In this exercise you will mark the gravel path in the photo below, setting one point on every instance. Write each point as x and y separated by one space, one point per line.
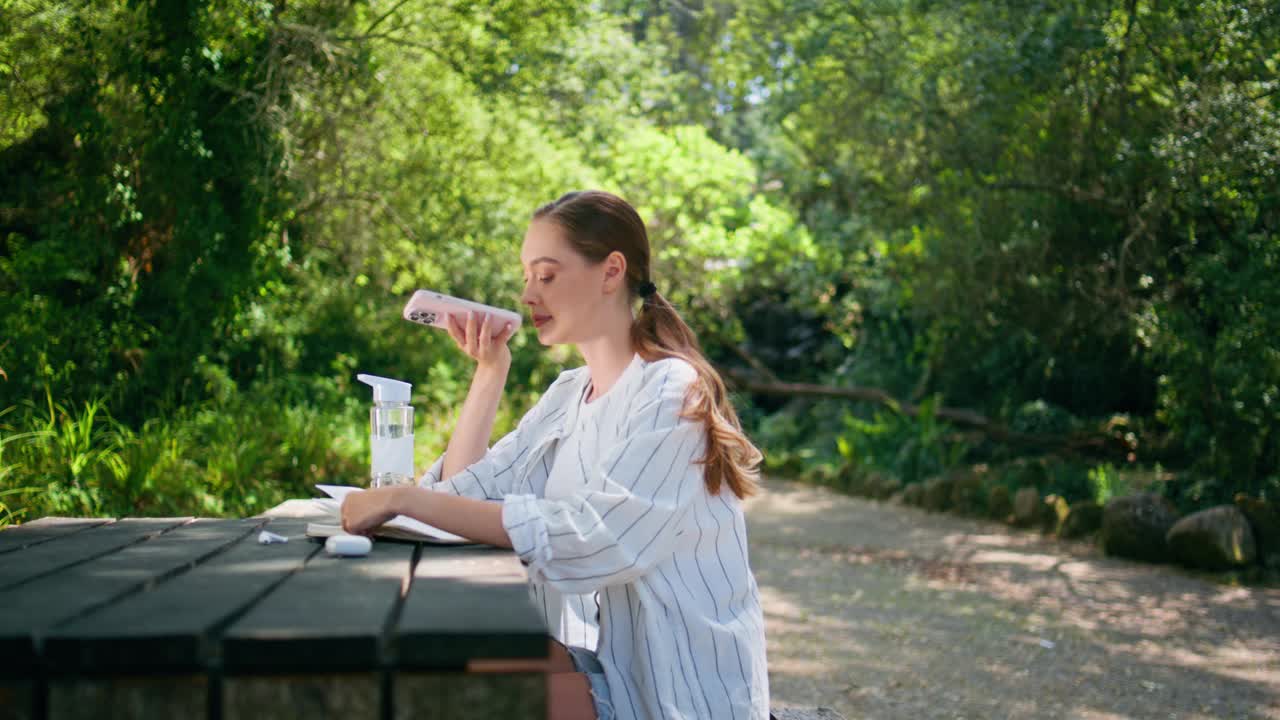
883 611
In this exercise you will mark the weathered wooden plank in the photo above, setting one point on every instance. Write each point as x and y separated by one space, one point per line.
46 558
467 603
469 696
35 607
353 695
331 616
141 697
172 627
18 537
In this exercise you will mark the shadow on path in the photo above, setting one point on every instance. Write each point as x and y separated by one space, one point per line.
885 611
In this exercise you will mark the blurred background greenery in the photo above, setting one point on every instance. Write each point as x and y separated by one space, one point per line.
1061 218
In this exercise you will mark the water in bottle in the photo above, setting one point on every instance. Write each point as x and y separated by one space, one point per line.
390 432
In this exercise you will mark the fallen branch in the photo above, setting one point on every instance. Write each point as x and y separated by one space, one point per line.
1095 443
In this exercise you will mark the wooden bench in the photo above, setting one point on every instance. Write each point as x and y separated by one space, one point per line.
192 618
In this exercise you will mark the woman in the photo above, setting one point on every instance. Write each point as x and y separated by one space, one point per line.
620 490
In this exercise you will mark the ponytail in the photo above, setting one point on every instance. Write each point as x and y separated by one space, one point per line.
659 332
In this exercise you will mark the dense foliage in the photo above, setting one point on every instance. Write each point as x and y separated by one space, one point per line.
1062 215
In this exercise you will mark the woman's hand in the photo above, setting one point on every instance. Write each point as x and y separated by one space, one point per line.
481 344
363 511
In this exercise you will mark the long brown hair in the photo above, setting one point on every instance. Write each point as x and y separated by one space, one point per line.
598 223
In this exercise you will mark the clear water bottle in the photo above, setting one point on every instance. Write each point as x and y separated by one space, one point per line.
390 432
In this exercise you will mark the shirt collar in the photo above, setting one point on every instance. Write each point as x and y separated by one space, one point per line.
624 385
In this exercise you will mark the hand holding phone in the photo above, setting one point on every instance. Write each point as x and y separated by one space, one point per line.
467 322
434 309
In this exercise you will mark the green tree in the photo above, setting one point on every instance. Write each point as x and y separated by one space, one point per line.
1064 195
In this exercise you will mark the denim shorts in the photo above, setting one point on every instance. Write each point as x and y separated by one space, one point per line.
586 662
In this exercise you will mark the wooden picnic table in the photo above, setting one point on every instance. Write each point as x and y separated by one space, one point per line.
193 618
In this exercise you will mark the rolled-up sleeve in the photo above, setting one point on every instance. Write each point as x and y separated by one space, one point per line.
629 509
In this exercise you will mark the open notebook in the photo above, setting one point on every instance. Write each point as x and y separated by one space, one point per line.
399 527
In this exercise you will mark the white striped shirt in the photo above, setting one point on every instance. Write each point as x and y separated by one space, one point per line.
628 553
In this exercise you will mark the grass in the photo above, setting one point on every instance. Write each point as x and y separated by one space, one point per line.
233 456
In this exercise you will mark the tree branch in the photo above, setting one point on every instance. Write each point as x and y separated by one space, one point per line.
384 16
1087 443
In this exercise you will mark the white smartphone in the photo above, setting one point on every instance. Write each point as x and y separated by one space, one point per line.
433 309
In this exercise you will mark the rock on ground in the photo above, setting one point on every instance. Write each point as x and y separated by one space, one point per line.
1264 518
884 611
1134 526
1026 506
1216 538
1083 518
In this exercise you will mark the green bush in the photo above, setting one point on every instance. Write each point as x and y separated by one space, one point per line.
195 461
1040 417
1220 347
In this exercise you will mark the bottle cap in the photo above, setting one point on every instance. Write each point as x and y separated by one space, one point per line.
386 389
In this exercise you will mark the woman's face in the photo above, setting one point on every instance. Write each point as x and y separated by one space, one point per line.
565 293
